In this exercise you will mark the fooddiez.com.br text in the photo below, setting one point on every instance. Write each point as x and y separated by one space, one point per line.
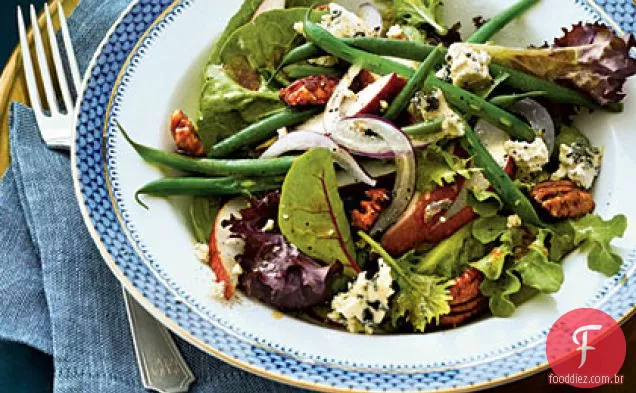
570 379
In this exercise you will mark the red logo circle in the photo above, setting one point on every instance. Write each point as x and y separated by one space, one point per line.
585 348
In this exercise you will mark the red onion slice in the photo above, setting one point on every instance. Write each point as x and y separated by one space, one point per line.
304 140
360 143
539 118
405 163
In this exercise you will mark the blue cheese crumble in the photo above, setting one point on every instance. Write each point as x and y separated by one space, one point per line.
364 305
478 183
343 23
395 32
579 163
529 157
202 252
466 66
434 105
513 221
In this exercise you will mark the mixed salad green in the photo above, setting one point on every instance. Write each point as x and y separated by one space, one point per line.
358 164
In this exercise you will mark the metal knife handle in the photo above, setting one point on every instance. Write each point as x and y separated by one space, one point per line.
161 365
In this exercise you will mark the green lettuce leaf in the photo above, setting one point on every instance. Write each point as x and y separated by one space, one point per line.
437 167
311 214
253 52
473 250
203 213
485 203
499 293
569 135
242 16
419 12
594 236
450 257
413 34
536 270
514 263
518 238
226 107
492 264
561 241
489 229
421 299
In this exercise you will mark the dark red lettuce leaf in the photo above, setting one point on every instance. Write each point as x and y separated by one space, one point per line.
276 272
608 58
589 58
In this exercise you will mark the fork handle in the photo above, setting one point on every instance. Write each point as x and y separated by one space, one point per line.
63 142
161 365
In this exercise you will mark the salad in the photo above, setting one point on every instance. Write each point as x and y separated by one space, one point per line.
361 165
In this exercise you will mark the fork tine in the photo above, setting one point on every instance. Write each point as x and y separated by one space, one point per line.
57 59
70 52
29 73
45 74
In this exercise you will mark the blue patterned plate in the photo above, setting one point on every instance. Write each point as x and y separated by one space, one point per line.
151 63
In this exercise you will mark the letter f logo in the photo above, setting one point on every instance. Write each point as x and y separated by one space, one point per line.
583 346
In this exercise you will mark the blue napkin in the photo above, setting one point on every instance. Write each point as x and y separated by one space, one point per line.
56 294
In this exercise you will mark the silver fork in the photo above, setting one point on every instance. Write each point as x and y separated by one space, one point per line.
161 366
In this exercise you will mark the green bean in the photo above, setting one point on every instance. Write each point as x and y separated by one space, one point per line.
494 25
506 101
197 186
424 128
416 51
505 188
414 84
299 71
395 48
211 167
525 82
341 50
475 105
301 53
281 81
260 131
379 46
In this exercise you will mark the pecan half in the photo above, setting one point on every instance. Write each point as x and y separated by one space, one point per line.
467 302
563 199
455 319
370 209
466 286
185 135
312 90
467 306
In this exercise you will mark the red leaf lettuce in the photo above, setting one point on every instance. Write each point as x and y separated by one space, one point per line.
276 272
589 58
